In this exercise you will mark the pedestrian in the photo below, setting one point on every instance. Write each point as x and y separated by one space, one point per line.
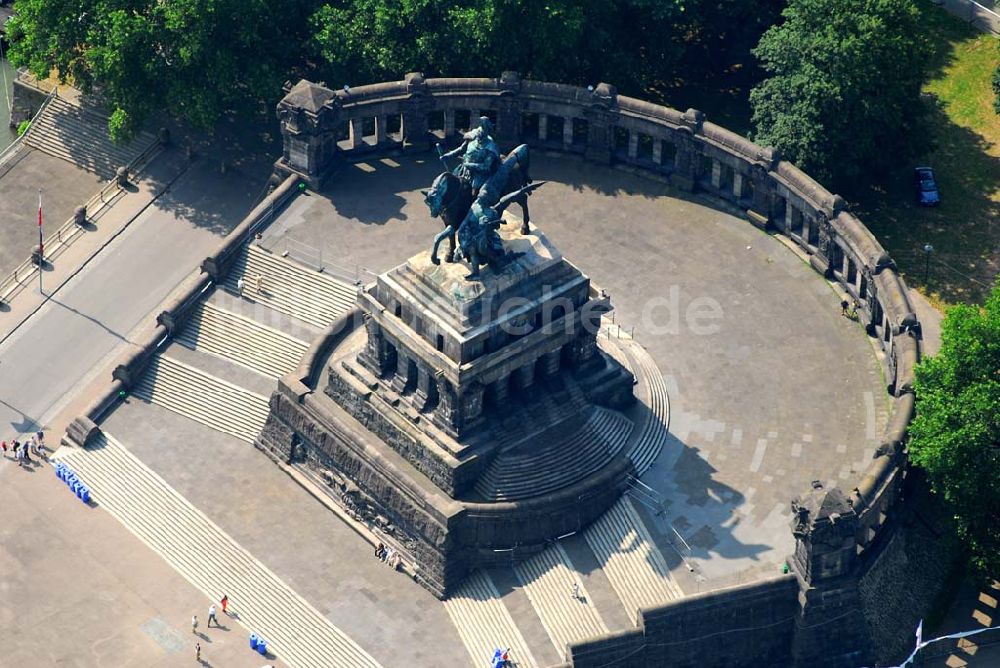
379 551
576 591
3 444
197 651
41 451
224 602
259 283
239 285
34 444
390 555
843 307
194 624
24 453
211 616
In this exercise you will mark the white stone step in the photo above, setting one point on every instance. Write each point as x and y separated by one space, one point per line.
483 622
653 433
242 340
548 579
633 564
210 559
80 136
290 288
203 398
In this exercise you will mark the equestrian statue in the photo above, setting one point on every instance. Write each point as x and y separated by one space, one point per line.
471 198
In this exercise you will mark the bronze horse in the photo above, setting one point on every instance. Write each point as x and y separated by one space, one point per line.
451 198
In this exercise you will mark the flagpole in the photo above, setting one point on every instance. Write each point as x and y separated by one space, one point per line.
41 246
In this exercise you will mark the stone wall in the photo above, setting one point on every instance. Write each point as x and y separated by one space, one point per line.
837 543
750 625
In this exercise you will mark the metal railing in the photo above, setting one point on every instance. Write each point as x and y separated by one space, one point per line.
313 257
57 242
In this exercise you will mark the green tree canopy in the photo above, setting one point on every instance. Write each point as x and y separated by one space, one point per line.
624 42
842 94
194 58
956 433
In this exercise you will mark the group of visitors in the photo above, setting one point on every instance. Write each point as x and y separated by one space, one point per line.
387 555
224 602
22 451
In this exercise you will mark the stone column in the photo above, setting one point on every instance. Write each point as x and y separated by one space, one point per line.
470 403
449 122
760 207
738 185
500 389
583 351
401 381
601 115
415 110
657 151
356 126
568 131
716 174
805 230
685 162
543 127
426 394
524 377
381 129
378 355
633 144
508 130
551 361
446 414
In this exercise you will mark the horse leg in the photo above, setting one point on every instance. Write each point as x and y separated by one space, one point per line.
446 232
450 257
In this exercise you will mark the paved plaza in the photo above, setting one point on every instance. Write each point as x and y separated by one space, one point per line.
776 392
783 390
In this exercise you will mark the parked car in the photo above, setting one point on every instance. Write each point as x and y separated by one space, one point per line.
927 188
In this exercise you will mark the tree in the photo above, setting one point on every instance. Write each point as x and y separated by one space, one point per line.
194 58
956 433
624 42
843 93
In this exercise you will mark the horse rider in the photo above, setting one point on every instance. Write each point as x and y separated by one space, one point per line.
480 155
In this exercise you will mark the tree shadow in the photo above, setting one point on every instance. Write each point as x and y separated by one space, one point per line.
962 229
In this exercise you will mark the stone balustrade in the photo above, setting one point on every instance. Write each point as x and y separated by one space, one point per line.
323 128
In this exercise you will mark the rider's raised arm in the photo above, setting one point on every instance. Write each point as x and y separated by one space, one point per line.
457 151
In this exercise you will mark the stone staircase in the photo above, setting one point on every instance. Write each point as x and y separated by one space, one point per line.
210 559
268 351
527 417
636 570
548 579
652 435
290 288
79 135
203 398
531 470
483 622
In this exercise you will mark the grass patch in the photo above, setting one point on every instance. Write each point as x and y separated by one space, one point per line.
964 134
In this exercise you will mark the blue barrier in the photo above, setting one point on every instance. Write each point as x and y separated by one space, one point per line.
76 485
253 641
262 646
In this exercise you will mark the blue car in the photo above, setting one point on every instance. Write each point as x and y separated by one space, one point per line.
927 188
